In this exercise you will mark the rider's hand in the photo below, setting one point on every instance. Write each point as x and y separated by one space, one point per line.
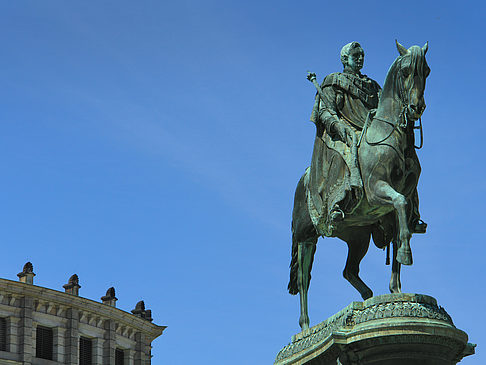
345 133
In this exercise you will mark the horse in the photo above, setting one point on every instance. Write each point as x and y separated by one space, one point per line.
389 180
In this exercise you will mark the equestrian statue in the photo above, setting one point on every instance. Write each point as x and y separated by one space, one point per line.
362 181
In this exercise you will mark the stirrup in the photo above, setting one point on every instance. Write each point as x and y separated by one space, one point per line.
337 215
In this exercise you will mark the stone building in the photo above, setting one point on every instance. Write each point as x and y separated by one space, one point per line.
42 326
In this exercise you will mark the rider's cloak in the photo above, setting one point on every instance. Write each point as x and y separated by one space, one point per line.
333 179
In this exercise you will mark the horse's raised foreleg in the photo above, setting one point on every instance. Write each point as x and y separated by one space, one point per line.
395 284
358 242
306 253
386 193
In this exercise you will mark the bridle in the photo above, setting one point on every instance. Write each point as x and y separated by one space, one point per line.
402 122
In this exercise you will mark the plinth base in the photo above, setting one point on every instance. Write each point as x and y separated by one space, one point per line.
392 329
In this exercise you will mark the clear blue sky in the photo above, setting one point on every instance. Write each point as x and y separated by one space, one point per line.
155 146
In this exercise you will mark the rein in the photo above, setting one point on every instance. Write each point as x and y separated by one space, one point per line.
402 121
394 125
406 107
371 118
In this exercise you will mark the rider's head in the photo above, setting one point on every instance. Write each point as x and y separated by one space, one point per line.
352 56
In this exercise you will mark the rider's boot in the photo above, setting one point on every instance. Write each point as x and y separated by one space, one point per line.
419 226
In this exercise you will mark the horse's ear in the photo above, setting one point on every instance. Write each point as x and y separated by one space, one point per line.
425 47
401 49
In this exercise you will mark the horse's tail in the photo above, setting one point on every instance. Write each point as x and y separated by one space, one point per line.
294 265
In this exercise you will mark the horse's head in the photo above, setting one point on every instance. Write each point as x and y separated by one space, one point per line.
411 72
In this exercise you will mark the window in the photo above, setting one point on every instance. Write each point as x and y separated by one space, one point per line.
85 351
119 357
3 334
43 343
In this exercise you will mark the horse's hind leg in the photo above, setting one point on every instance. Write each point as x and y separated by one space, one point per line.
395 284
358 242
304 240
306 253
386 194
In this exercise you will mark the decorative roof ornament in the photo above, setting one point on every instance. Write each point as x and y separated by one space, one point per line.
27 274
110 298
28 267
72 287
141 312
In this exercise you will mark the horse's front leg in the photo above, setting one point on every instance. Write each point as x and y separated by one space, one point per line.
385 193
395 284
305 257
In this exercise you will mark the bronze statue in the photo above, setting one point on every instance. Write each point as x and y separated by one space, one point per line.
363 177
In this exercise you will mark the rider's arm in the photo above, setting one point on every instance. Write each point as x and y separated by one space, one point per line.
328 113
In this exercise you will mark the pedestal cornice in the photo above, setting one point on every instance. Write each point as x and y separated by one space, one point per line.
383 328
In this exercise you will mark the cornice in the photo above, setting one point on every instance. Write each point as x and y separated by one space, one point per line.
60 299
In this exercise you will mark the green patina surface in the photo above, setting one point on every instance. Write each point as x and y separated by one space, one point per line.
362 181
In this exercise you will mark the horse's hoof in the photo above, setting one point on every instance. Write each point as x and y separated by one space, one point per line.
366 295
404 257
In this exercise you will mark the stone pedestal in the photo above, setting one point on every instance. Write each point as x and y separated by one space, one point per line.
392 329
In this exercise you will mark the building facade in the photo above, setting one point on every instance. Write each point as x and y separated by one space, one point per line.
41 326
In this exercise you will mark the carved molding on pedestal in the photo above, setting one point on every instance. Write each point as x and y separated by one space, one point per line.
393 320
